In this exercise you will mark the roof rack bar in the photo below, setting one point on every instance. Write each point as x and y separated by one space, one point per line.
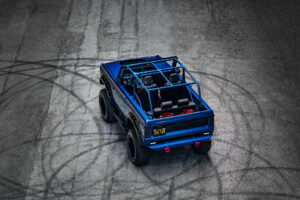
152 61
139 75
147 90
198 86
186 70
164 87
164 69
162 74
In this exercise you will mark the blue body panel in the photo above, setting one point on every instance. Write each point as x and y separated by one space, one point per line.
128 105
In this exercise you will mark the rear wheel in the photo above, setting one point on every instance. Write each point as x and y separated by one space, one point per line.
107 109
137 153
203 147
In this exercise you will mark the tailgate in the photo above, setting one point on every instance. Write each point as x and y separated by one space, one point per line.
180 130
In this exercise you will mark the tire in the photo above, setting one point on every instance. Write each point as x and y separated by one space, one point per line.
137 153
106 107
203 147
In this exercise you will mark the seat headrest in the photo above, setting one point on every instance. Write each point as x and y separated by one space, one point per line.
183 102
174 79
148 80
166 105
151 86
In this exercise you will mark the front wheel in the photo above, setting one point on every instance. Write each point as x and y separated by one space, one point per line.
137 153
203 147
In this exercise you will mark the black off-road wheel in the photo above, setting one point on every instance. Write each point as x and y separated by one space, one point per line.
137 153
106 107
203 147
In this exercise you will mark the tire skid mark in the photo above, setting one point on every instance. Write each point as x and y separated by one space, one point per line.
52 137
4 100
218 178
284 178
122 14
262 120
53 83
59 169
202 192
249 131
171 189
34 192
20 187
233 117
236 126
63 88
34 8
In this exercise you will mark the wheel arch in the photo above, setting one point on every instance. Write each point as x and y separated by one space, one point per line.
102 80
132 123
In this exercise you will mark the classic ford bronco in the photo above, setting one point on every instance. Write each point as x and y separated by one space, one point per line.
158 102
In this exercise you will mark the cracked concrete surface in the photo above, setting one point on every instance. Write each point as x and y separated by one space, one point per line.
55 145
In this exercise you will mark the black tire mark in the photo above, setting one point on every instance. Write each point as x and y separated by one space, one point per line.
271 168
261 115
34 8
171 189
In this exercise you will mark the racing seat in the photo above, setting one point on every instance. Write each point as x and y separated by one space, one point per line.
148 82
174 93
143 95
164 109
174 79
165 105
185 103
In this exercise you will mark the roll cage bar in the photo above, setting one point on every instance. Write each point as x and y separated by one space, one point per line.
158 70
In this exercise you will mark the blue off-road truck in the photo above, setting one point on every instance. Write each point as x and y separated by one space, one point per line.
158 102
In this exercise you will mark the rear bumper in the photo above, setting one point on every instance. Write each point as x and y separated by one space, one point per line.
179 142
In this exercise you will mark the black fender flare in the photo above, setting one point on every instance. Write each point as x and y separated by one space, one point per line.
132 123
103 80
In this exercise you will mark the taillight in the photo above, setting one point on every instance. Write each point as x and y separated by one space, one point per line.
168 114
189 110
146 132
212 121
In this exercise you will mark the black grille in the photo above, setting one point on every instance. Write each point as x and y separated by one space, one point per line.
187 125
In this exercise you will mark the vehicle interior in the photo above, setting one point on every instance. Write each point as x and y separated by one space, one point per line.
168 92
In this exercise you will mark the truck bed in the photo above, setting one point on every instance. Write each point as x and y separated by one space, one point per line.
183 129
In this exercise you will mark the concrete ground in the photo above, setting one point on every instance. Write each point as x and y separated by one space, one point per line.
55 145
